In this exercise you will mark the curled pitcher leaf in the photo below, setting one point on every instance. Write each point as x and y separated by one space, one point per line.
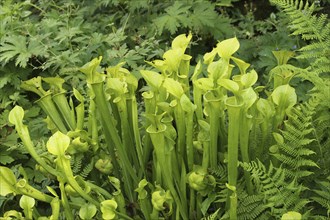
283 56
108 208
229 85
181 41
243 66
117 85
58 143
16 116
55 83
265 107
154 79
140 190
249 79
7 181
186 104
249 97
34 85
173 58
227 48
161 199
104 165
173 87
91 71
204 84
284 96
209 57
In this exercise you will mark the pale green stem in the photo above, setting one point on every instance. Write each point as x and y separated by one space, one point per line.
56 206
158 140
244 145
24 134
189 139
48 106
113 138
64 163
181 130
234 110
137 136
197 93
65 202
63 106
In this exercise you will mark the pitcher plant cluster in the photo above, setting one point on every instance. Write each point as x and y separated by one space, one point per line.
155 146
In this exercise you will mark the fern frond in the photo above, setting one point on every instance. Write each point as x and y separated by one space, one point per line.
87 169
76 163
250 206
213 216
315 29
279 195
294 152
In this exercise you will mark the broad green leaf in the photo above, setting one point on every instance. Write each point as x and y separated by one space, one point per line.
249 79
229 85
7 181
181 41
58 144
153 78
291 215
227 47
186 104
108 208
87 211
140 190
284 96
173 87
16 116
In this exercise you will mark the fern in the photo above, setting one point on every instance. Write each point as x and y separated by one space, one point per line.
311 28
80 166
250 206
87 169
76 163
293 143
213 216
279 196
322 196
